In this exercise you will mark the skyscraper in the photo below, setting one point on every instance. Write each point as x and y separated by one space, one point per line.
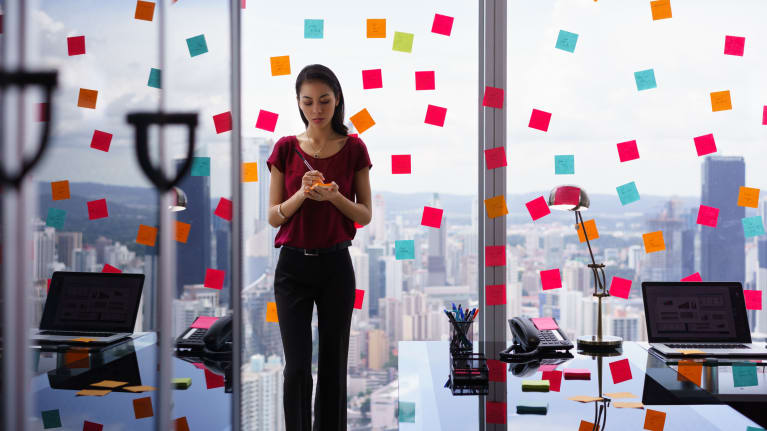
377 277
437 270
194 257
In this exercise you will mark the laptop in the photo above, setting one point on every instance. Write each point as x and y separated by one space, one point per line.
701 318
90 307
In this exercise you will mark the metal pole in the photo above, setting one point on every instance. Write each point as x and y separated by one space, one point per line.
481 192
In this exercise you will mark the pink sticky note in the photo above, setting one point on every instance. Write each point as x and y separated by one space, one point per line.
493 97
442 24
539 120
577 374
203 322
628 151
266 120
495 158
620 287
538 208
495 294
753 299
110 269
693 277
435 115
620 370
400 164
424 80
544 323
554 378
101 140
705 144
224 209
764 116
371 78
223 122
97 209
213 380
548 367
495 412
495 255
358 297
76 45
733 45
214 278
708 216
496 370
431 217
48 287
551 279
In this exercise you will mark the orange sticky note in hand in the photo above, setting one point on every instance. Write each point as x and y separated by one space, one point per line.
271 312
591 230
60 190
87 98
653 242
661 9
147 235
362 120
376 28
654 420
280 65
748 197
720 101
182 231
496 206
250 172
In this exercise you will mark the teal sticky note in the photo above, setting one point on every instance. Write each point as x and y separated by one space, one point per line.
51 419
197 45
532 407
645 79
628 193
154 78
200 166
744 374
566 41
564 164
55 218
404 249
403 42
407 411
314 28
750 428
752 226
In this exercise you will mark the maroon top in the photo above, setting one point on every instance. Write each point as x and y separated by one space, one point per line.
318 224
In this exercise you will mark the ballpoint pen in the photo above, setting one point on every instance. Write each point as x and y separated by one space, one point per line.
303 158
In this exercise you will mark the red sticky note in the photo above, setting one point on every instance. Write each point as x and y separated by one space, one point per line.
223 122
358 297
203 322
554 378
538 208
708 216
495 412
544 323
442 24
493 97
496 370
424 80
97 209
551 279
42 111
764 116
620 370
48 288
577 374
213 380
435 115
495 255
431 217
705 144
214 278
266 120
495 294
495 158
693 277
76 45
101 140
92 426
110 269
753 299
733 45
620 287
539 120
400 164
224 209
371 78
628 151
357 225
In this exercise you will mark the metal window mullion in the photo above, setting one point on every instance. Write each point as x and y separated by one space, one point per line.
480 192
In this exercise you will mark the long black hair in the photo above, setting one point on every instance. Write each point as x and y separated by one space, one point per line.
318 72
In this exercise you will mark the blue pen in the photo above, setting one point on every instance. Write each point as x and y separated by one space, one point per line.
460 311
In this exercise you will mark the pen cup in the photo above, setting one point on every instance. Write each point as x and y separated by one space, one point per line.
461 337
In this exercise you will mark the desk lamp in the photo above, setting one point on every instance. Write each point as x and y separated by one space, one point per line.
179 200
574 198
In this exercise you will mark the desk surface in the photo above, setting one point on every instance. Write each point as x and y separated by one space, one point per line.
424 369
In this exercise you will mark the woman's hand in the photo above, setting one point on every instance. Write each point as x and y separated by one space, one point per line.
322 193
312 177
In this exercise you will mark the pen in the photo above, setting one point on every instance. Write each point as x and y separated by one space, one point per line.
303 158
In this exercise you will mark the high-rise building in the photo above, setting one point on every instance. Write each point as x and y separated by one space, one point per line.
266 335
44 239
378 349
376 277
435 264
360 262
262 394
378 222
393 268
666 265
223 252
66 243
194 257
84 259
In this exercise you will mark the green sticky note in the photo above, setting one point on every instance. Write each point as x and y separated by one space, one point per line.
55 218
200 166
407 411
404 249
744 374
154 78
314 28
403 42
182 382
752 226
197 45
532 407
51 419
535 385
564 164
628 193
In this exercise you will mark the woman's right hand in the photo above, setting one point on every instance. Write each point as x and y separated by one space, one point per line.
312 177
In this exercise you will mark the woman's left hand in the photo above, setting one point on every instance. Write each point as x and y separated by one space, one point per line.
324 193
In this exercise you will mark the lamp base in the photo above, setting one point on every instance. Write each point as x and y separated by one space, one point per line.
590 343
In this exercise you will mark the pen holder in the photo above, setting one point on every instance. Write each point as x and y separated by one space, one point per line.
461 337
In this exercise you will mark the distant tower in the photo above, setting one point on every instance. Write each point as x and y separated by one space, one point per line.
194 257
437 271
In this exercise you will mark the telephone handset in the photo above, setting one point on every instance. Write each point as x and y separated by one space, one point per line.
215 340
530 342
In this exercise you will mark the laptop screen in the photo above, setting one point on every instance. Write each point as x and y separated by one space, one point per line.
95 301
695 312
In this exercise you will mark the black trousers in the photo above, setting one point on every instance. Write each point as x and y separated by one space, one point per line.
300 282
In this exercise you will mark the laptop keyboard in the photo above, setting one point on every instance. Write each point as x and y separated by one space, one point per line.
706 346
72 334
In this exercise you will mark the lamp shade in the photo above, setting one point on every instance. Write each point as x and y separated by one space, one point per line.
568 198
179 200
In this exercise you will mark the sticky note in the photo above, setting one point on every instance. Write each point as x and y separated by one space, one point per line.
155 78
744 374
566 41
407 411
55 218
493 97
495 255
748 197
314 28
661 9
144 10
591 230
214 278
142 408
280 65
435 115
400 164
535 386
372 78
181 424
539 120
544 323
548 367
707 216
271 312
691 351
266 120
376 28
362 121
97 209
583 398
147 235
577 374
764 116
203 322
182 231
110 269
693 277
404 249
495 412
101 140
92 426
48 286
753 299
705 144
628 151
83 339
564 164
527 407
496 206
224 209
403 42
620 395
620 371
689 370
109 384
431 217
620 287
51 419
197 45
733 45
653 242
628 405
654 420
551 279
496 370
628 193
200 167
554 378
720 101
752 226
495 294
77 359
645 79
60 190
223 122
182 382
538 208
424 80
250 172
586 426
76 45
213 380
87 98
495 157
442 24
359 296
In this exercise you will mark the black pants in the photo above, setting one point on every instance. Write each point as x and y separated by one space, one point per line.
299 282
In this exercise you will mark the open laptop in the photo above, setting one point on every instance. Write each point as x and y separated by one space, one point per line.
91 306
708 318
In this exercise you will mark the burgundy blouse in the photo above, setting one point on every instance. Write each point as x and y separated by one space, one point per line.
318 224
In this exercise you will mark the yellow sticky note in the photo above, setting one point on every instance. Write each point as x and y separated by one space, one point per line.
654 420
720 101
109 384
591 230
748 197
496 206
271 312
690 370
147 235
93 392
182 231
250 172
362 120
621 395
87 98
60 190
141 388
83 339
661 9
584 398
280 65
628 405
376 28
653 242
691 352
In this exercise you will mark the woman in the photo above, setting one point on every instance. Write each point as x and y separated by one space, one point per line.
315 209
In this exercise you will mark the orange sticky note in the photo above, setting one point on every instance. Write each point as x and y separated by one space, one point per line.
496 206
250 172
586 426
77 359
144 10
691 370
376 28
182 231
362 120
720 101
653 242
87 98
147 235
181 423
661 9
271 312
142 407
748 197
280 65
109 384
654 420
93 392
60 190
591 230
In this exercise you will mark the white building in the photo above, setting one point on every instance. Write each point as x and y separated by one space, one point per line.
262 394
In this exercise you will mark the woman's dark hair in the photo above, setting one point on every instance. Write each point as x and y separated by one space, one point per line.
318 72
